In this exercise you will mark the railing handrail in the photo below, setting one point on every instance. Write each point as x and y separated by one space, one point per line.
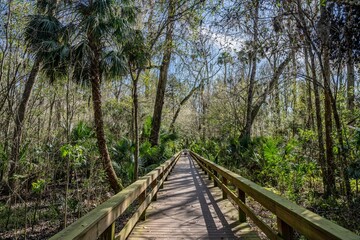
290 215
102 218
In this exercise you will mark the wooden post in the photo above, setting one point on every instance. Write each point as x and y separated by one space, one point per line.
171 168
161 177
241 196
153 185
215 182
109 233
204 168
142 198
285 231
224 181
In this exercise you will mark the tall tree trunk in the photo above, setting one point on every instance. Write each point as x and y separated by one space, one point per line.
342 151
310 119
277 120
319 124
160 93
19 122
183 101
225 72
294 90
99 123
349 62
274 80
53 100
135 80
7 41
324 31
246 133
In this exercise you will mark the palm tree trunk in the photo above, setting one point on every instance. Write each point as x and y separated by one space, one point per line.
19 122
99 126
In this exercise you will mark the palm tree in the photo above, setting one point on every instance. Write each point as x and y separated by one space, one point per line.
102 28
91 46
225 58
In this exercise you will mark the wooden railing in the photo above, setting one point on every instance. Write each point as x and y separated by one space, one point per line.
100 222
289 216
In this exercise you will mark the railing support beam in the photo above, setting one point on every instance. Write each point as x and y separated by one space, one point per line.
216 175
241 196
285 231
225 182
142 198
109 233
153 185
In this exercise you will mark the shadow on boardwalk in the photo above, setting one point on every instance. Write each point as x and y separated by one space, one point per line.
187 209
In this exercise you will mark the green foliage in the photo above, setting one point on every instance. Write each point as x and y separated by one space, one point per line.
73 204
75 153
136 50
122 160
356 140
150 156
122 154
3 158
272 162
208 148
147 127
38 186
106 26
354 170
82 132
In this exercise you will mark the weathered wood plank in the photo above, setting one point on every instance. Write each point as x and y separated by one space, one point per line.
187 209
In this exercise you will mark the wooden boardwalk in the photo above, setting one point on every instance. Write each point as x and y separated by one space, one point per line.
190 207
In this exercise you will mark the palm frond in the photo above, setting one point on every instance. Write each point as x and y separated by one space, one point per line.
80 60
128 12
136 50
56 63
41 32
114 64
46 6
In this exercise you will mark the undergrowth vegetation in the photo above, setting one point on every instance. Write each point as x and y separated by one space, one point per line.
76 182
288 167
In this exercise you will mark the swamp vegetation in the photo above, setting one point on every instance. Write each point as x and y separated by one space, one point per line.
95 93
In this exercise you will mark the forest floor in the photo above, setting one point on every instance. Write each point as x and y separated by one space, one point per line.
33 216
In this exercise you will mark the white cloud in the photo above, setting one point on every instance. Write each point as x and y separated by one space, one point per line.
221 40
